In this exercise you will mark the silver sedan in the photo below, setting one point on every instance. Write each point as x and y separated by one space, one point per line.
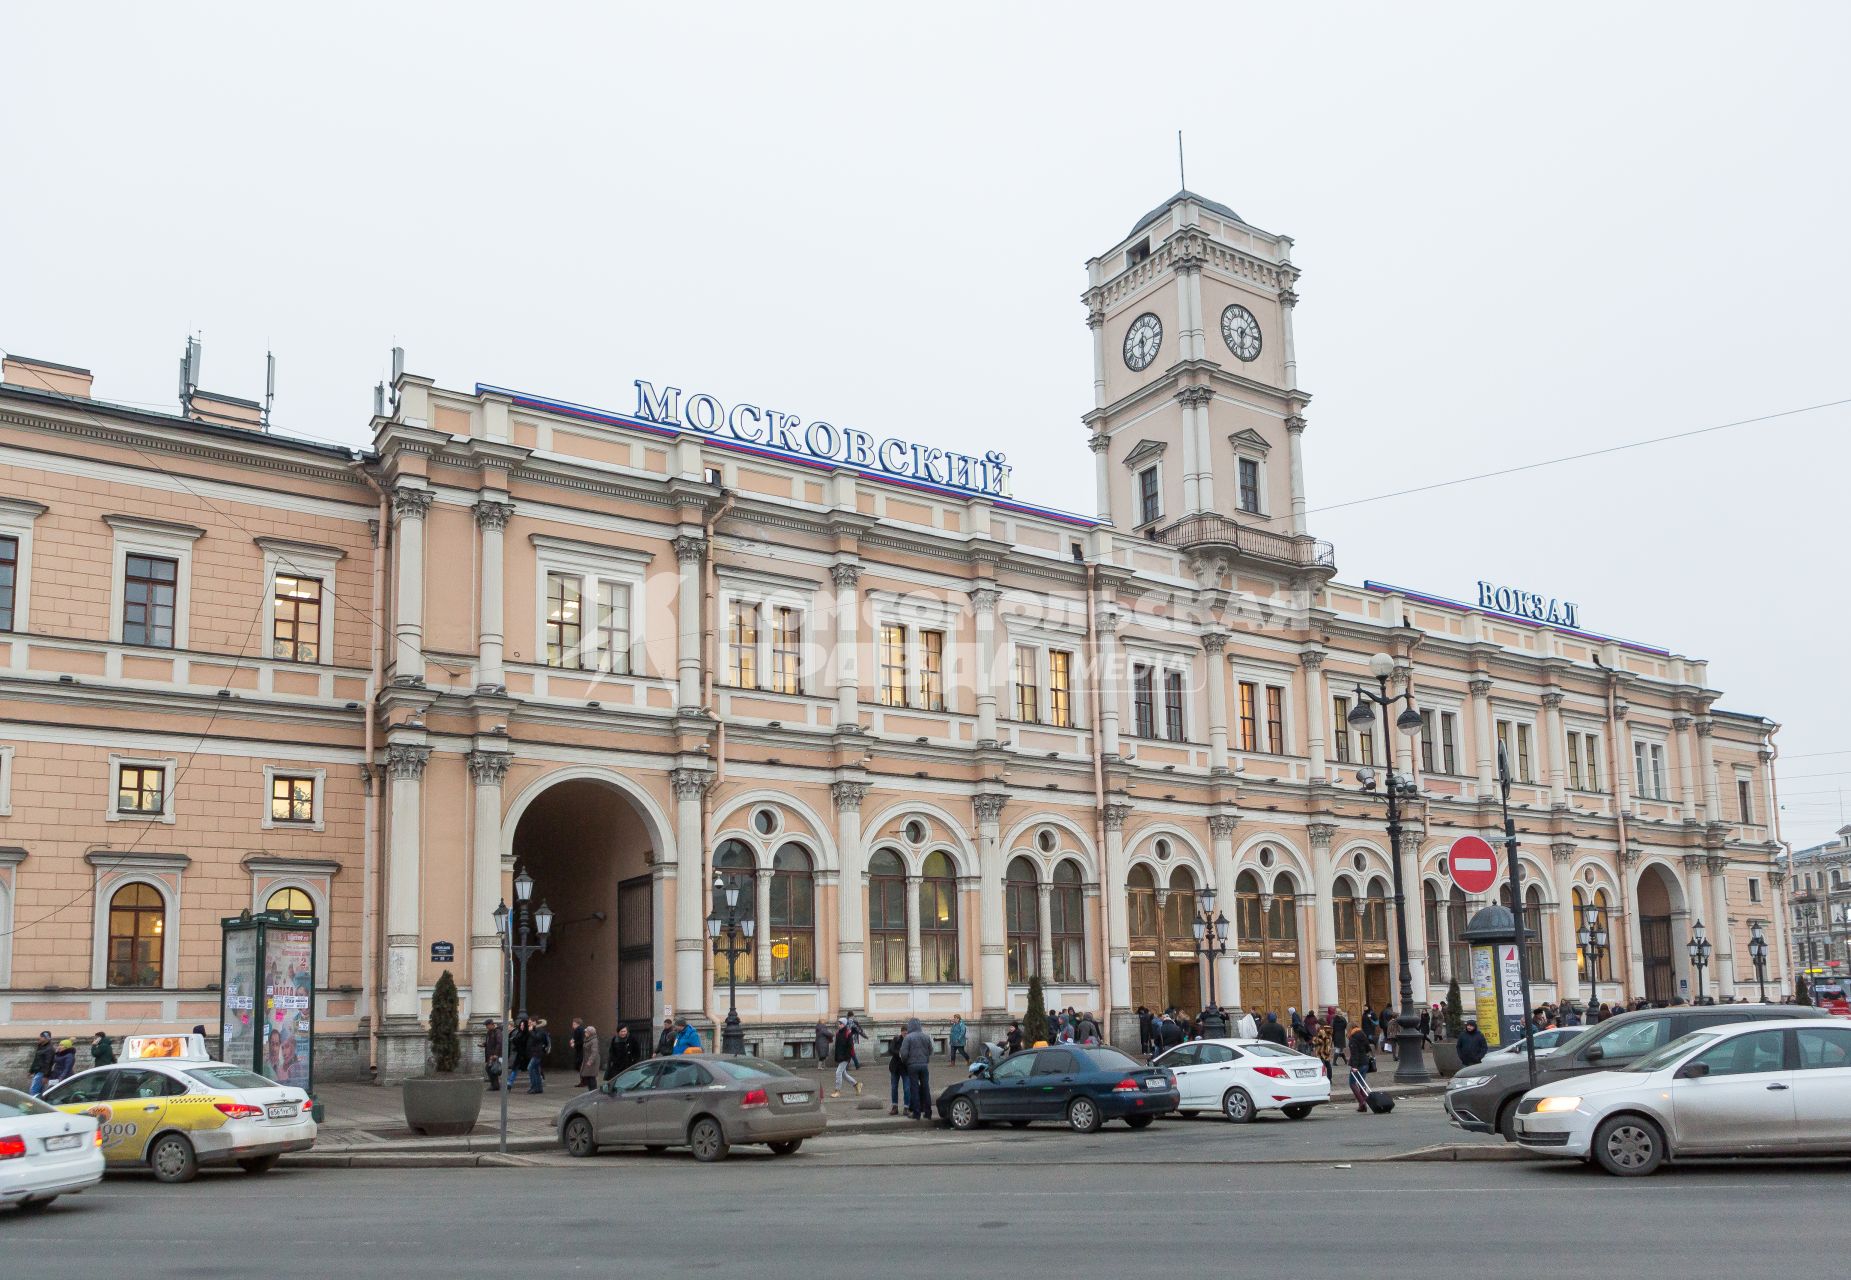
1736 1089
708 1104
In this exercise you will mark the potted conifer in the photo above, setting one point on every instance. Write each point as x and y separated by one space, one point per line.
443 1104
1035 1022
1446 1052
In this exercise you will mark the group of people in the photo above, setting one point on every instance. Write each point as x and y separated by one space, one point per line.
54 1062
527 1047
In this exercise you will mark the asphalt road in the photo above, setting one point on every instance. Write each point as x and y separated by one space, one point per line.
868 1206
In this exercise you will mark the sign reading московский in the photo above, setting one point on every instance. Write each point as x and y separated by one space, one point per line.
1528 604
823 441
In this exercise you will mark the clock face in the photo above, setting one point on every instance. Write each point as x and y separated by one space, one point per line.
1241 332
1142 340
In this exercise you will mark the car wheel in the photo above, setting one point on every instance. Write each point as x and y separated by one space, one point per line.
963 1113
1083 1115
260 1164
786 1147
1629 1146
1507 1121
1139 1122
1237 1105
172 1159
578 1138
707 1140
1298 1111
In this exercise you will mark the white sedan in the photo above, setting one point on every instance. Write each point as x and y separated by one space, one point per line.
1738 1089
1241 1078
45 1153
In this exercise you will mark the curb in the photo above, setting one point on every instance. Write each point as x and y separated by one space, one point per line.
405 1160
1467 1152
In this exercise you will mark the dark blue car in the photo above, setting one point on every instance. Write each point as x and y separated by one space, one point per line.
1082 1087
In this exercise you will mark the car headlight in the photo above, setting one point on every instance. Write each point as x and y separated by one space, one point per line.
1557 1104
1468 1082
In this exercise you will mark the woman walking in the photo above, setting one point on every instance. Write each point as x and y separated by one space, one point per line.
590 1059
844 1050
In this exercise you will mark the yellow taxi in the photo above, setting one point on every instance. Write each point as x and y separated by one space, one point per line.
168 1106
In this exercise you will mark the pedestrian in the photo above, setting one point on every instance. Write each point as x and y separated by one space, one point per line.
1339 1037
1271 1031
1171 1032
1248 1028
665 1043
1146 1042
63 1061
1472 1045
577 1041
843 1050
1089 1029
42 1055
824 1038
1311 1030
1014 1039
1361 1061
1426 1026
855 1036
539 1044
1368 1023
957 1039
517 1049
896 1077
1320 1047
916 1051
687 1039
491 1054
590 1057
1297 1024
102 1052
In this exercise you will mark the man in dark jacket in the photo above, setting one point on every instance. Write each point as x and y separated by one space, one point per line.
625 1053
102 1052
1270 1030
1361 1046
578 1042
1014 1040
491 1054
517 1049
42 1055
1147 1042
665 1043
539 1044
916 1052
1472 1045
1339 1036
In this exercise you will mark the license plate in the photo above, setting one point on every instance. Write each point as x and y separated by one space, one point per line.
1307 1073
1156 1084
281 1110
793 1098
64 1142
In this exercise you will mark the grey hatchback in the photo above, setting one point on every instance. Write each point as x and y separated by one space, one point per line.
708 1104
1483 1098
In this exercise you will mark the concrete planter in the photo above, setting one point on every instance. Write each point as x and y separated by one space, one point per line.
1446 1057
442 1106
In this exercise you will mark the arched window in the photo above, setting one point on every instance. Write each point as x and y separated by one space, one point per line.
1604 972
938 921
1067 925
1179 912
1455 929
291 902
137 923
1249 914
1375 912
1141 894
733 863
1282 917
1533 948
1430 914
886 917
793 916
1022 912
1343 909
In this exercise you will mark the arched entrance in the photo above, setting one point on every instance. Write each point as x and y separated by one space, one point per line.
589 851
1661 899
1267 928
1164 970
1362 945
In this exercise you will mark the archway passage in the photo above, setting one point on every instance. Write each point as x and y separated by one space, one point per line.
1267 926
1658 902
1165 972
1362 945
589 853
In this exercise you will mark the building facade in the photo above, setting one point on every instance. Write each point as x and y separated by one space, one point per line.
945 739
1820 897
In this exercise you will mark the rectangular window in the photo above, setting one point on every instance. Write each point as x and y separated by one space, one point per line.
1515 738
893 665
1754 889
141 789
1439 742
1143 702
1426 742
1340 728
1743 802
1173 726
1590 760
9 579
742 645
1365 743
564 620
1027 685
1524 769
1449 742
292 799
1249 725
1249 485
1060 688
1148 508
932 670
1275 719
787 651
295 624
1574 761
149 584
1649 766
610 637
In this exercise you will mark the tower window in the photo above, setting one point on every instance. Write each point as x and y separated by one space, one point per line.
1137 252
1249 485
1150 506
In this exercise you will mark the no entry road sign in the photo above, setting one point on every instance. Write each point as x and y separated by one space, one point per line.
1473 865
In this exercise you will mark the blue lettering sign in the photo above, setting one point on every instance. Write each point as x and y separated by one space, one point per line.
1530 605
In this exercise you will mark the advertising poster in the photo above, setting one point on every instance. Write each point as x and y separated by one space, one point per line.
288 1003
1510 978
1485 994
238 1024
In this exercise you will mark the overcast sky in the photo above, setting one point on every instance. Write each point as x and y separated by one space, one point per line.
1522 235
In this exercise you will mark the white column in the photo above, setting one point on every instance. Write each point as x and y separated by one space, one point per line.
1315 702
1683 728
1095 321
1215 644
761 928
1567 980
851 886
1192 498
1414 903
691 892
1779 944
486 771
1482 740
405 763
1117 909
1324 874
915 961
1444 916
1723 938
409 505
1706 761
1101 446
688 550
992 953
847 577
1287 301
1558 748
1622 759
1105 683
1044 927
1635 938
491 519
1295 460
1221 850
983 601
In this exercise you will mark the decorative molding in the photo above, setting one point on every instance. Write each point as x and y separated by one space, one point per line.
845 573
1562 851
688 547
407 760
1248 438
689 784
1553 699
1295 424
158 528
1312 659
1681 722
1144 451
1115 815
1705 727
106 860
1321 834
488 768
988 806
1098 442
983 599
1193 396
412 503
1215 642
492 515
1287 298
848 795
1480 686
1221 825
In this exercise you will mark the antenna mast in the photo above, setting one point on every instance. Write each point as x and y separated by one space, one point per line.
269 385
1181 177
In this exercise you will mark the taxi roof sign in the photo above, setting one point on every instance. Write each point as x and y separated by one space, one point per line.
186 1048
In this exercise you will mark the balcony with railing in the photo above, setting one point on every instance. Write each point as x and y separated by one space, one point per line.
1211 532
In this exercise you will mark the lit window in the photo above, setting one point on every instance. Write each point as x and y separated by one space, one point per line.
742 645
294 903
787 651
148 588
564 619
893 665
1249 726
938 920
611 636
1027 685
292 799
793 916
1060 688
1275 719
1340 727
141 789
137 926
932 670
295 628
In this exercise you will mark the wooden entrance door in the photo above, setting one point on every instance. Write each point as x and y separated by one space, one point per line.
636 976
1655 943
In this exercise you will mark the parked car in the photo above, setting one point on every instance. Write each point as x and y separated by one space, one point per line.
1729 1089
1082 1086
1241 1078
1483 1099
1552 1038
708 1104
45 1153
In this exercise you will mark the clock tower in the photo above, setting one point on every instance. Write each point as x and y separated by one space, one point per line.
1197 416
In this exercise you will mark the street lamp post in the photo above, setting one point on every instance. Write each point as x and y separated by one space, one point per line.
515 929
1699 949
730 923
1410 1058
1211 943
1757 951
1592 936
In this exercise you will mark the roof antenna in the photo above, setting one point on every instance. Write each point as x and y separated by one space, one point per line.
269 385
1180 176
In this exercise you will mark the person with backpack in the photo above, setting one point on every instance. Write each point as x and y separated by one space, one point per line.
539 1044
844 1051
1360 1048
